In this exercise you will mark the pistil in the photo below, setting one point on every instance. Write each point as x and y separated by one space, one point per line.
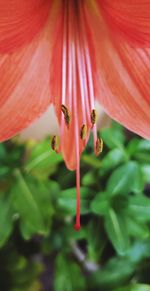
77 114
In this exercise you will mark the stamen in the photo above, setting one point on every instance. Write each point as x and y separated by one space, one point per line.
64 109
76 134
77 88
70 47
93 117
54 143
99 146
80 72
83 78
77 224
89 77
64 69
83 131
67 114
64 54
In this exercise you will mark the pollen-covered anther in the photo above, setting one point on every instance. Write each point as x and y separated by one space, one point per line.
93 117
83 132
54 143
99 146
67 115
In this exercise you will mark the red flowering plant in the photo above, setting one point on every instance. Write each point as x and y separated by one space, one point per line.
70 53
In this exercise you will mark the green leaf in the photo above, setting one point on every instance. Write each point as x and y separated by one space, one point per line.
113 137
42 160
139 207
135 287
125 179
6 220
31 202
116 228
67 200
119 203
146 172
43 196
2 152
95 241
71 193
111 160
68 276
144 145
139 251
140 150
113 274
88 179
68 204
137 229
142 157
91 160
132 146
100 204
4 171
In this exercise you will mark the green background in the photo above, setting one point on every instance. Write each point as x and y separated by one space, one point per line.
39 249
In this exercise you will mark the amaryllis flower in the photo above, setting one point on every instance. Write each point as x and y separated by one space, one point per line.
69 53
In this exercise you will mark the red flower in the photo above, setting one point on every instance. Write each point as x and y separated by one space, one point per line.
69 52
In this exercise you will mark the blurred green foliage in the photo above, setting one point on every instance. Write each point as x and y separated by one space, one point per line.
39 249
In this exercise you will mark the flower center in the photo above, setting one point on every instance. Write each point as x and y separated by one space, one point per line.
76 113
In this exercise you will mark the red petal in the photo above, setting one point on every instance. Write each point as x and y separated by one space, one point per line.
24 82
122 78
128 19
20 21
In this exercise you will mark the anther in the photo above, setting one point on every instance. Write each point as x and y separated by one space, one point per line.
64 109
99 146
93 116
54 143
83 131
67 115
